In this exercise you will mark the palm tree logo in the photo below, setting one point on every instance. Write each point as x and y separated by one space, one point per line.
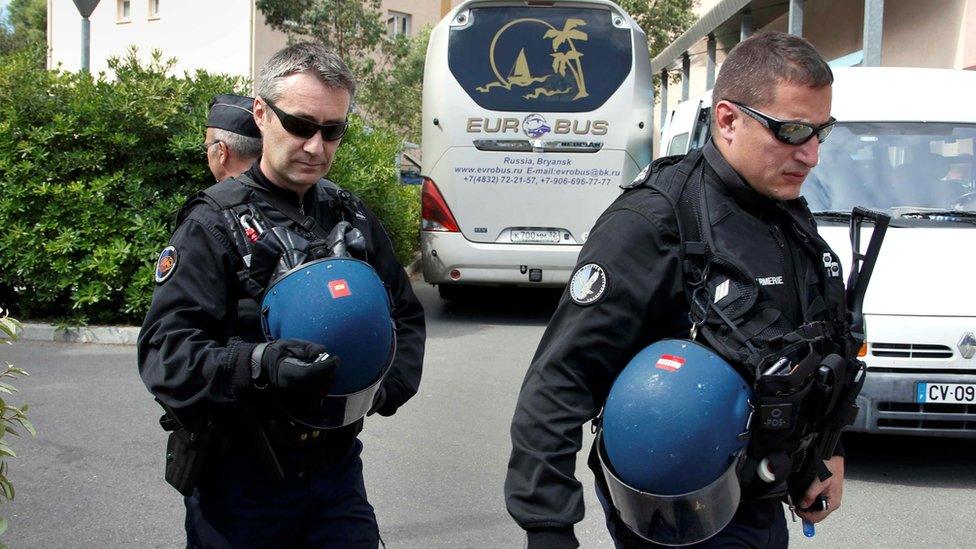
571 58
565 56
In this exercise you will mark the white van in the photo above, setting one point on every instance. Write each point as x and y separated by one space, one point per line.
533 114
903 144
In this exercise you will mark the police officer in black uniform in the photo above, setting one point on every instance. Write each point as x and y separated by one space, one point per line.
252 476
771 109
233 140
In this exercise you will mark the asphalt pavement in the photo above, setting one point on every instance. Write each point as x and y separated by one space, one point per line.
434 471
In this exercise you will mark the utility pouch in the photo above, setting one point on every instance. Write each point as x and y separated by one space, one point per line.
186 454
782 406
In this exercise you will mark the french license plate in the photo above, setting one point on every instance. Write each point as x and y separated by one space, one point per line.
950 393
543 236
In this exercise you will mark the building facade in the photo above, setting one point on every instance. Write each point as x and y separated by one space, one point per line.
890 33
218 36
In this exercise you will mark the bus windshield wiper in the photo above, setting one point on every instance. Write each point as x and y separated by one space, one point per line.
939 215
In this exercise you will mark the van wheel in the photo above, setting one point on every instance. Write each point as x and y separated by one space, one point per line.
453 291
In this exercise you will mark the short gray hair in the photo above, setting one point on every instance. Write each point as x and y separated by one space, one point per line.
304 57
241 145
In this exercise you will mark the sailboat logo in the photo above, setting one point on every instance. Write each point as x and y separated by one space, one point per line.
563 77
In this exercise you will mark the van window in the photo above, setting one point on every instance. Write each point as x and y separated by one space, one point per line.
679 144
523 59
702 127
885 165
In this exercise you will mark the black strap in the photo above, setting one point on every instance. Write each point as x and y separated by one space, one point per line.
289 210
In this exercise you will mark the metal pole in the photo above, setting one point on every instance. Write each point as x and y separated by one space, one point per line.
85 43
795 25
710 66
873 28
745 27
664 96
685 75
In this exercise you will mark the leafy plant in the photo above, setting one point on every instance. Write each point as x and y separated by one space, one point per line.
12 418
392 95
365 165
94 169
350 28
663 21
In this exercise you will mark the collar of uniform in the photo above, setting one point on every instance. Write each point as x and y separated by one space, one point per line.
258 176
740 190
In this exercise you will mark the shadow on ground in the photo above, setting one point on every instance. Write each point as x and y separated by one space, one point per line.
910 461
511 306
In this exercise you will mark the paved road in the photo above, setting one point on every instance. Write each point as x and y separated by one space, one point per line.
93 476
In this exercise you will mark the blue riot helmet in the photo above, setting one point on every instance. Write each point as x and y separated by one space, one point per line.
674 430
342 304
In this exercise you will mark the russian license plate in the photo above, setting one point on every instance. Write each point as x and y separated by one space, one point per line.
950 393
543 236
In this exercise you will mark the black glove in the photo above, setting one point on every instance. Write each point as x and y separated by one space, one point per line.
293 365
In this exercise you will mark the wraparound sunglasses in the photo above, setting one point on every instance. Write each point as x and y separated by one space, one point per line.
305 129
791 132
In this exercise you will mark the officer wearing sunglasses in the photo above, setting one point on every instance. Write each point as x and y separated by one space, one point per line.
252 475
735 208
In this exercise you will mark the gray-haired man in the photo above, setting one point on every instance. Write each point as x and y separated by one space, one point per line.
233 140
253 474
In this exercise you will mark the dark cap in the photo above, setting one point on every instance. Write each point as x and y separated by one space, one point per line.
233 113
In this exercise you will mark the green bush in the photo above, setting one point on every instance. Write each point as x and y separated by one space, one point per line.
377 182
93 171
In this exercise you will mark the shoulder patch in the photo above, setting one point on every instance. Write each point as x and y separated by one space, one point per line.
166 264
588 284
639 180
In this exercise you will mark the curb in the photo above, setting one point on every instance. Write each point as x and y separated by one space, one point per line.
110 335
103 335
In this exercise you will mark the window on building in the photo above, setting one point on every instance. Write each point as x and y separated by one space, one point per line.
154 9
398 23
123 10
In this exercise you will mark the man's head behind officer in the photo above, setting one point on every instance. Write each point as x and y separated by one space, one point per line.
771 110
233 141
302 105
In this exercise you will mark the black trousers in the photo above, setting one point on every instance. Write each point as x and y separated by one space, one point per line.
239 505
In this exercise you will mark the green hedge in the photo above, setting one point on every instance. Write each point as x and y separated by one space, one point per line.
93 171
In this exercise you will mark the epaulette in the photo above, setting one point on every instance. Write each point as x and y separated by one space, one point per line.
646 175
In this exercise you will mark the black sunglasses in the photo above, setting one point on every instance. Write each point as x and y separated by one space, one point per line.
306 128
791 132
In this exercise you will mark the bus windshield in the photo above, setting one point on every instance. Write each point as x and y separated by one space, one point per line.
895 165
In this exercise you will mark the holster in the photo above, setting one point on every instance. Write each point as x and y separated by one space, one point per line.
186 455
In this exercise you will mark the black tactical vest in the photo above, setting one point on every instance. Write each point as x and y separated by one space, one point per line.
765 292
236 201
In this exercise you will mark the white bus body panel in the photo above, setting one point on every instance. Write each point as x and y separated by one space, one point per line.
492 192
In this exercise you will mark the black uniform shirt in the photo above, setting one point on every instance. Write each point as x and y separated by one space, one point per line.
635 242
191 352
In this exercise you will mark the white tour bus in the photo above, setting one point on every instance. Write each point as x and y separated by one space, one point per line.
903 144
533 114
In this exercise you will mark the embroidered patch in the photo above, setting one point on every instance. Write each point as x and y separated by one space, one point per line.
588 284
166 264
642 175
